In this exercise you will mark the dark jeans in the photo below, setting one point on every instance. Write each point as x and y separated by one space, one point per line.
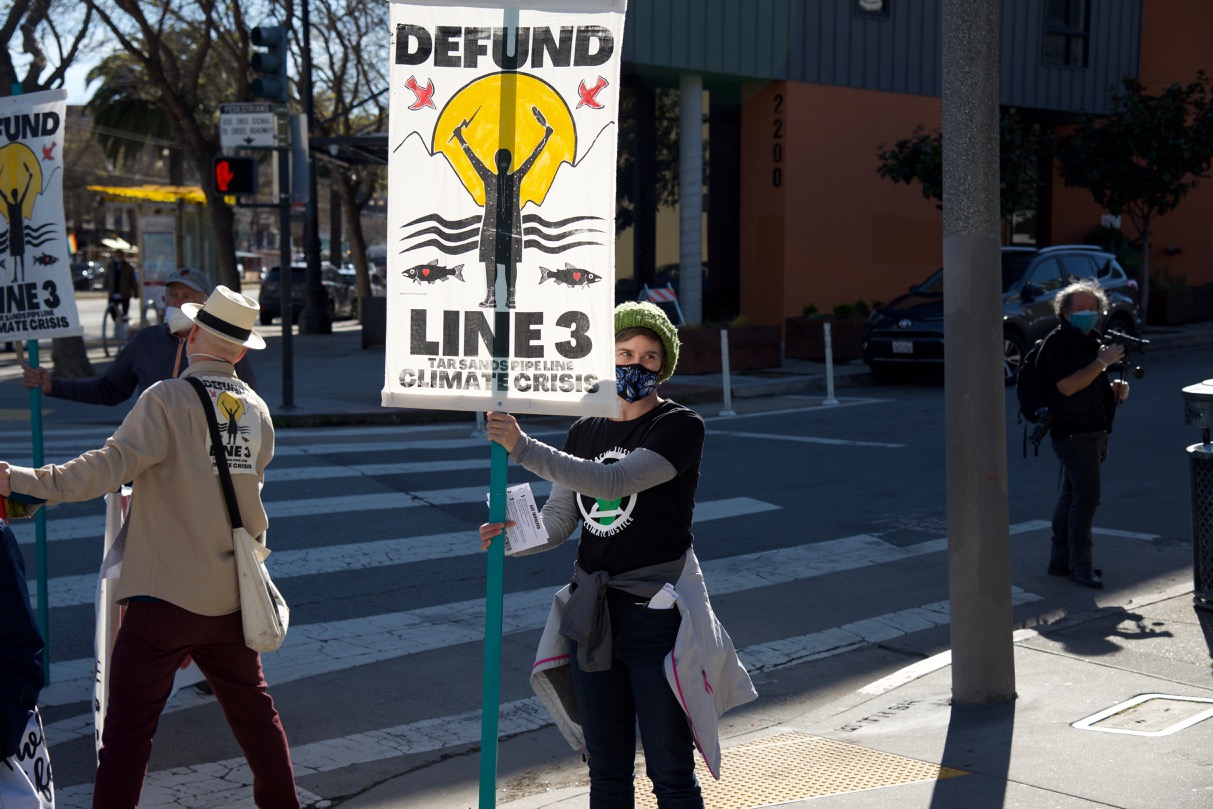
1081 455
634 688
154 640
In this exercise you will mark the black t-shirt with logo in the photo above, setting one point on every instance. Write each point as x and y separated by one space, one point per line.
649 527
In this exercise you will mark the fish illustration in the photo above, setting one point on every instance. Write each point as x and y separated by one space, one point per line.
570 275
432 273
45 259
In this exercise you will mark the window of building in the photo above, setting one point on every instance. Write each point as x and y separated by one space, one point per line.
1067 33
872 8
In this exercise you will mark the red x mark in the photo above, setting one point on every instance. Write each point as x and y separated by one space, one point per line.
589 95
424 97
48 151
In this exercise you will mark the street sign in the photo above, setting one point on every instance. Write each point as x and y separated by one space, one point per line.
247 126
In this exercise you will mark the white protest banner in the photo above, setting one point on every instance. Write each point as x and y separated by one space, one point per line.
501 206
37 298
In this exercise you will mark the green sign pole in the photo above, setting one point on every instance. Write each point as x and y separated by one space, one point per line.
44 613
35 421
493 597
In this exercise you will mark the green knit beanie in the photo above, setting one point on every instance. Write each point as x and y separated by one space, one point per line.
642 314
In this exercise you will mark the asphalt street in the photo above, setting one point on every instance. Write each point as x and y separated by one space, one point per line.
822 529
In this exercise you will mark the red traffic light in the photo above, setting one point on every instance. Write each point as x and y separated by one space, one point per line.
235 175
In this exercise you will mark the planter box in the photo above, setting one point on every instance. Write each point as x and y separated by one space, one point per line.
750 348
805 338
1181 304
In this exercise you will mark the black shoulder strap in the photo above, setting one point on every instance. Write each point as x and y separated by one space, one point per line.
225 475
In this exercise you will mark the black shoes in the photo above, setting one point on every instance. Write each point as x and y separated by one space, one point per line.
1087 578
204 689
1063 569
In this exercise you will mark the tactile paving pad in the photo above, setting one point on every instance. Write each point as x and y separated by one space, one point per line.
796 766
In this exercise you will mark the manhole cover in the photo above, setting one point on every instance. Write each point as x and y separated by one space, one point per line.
1150 715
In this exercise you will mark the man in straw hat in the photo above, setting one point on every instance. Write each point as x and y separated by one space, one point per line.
178 577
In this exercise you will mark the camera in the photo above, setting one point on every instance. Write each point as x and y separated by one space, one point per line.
1044 422
1132 345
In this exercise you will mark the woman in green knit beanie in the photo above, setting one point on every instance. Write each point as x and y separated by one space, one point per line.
618 628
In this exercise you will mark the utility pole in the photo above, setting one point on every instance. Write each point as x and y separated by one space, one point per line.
979 557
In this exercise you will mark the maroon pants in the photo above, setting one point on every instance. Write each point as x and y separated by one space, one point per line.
153 641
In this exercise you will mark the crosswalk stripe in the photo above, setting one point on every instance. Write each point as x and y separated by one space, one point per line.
807 439
60 451
207 781
764 657
322 648
68 591
86 527
227 783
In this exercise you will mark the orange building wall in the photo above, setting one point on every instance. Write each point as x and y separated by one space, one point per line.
1177 41
834 231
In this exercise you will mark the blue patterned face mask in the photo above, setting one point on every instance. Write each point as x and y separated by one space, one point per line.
1084 321
634 382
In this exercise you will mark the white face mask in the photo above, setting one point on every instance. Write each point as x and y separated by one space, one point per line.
177 320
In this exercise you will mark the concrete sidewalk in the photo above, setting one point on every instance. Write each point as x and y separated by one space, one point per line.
1137 676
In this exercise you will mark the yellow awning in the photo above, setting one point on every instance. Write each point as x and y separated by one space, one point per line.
153 193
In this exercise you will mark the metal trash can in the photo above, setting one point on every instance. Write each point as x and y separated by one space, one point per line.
1198 412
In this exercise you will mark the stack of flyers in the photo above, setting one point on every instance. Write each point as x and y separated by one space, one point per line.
528 531
19 506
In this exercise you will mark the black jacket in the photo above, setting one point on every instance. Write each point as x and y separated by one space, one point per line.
20 646
1065 351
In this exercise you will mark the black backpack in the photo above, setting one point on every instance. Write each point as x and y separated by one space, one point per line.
1034 399
1028 387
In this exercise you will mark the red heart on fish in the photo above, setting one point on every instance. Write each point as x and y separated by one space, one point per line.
576 276
425 271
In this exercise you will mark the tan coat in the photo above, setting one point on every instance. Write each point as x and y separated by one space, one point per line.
179 542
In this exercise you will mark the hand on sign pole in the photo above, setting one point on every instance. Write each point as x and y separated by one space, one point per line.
503 428
489 530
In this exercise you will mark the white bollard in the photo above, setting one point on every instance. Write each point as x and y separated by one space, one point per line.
480 425
830 400
724 374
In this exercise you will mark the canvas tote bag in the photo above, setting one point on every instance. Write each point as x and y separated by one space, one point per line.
262 608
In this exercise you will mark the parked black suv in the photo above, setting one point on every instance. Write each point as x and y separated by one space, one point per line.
907 332
341 298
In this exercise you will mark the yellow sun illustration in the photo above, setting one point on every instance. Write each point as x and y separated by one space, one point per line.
503 111
19 166
231 406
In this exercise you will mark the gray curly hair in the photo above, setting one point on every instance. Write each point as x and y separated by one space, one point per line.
1064 300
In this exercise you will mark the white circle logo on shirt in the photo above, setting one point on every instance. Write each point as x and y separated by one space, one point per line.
607 517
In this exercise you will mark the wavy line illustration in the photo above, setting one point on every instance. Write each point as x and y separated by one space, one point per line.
543 248
564 235
449 236
50 237
39 230
530 218
443 247
453 224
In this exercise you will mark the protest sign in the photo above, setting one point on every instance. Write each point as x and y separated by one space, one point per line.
37 298
501 206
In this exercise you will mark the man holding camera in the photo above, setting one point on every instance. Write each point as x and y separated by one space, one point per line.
1082 401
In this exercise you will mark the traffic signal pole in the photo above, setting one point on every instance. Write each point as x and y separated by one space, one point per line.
284 265
272 84
315 319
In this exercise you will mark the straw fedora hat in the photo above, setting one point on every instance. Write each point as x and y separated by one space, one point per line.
227 315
